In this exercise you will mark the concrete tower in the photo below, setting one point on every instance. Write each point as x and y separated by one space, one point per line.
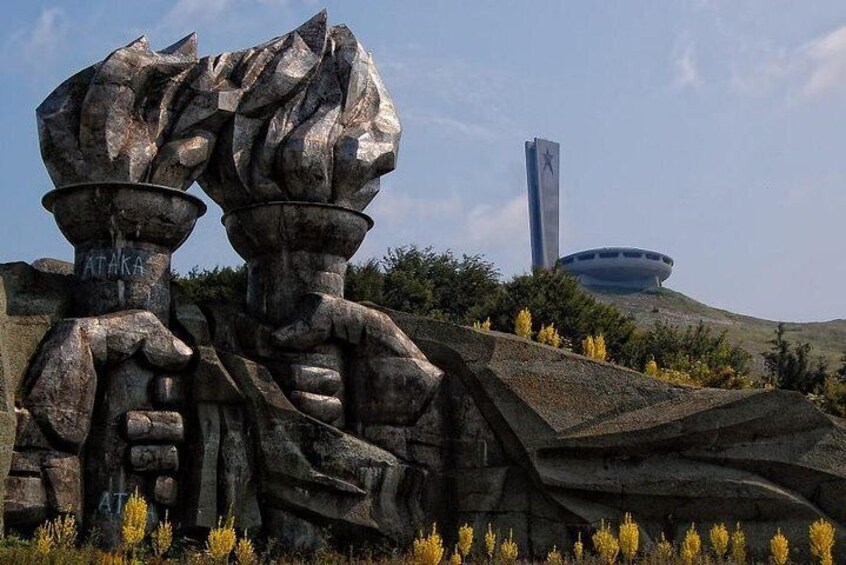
542 174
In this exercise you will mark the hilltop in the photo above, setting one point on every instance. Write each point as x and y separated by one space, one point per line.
753 334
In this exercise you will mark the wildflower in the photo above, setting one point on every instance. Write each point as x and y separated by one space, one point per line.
691 546
664 549
486 325
429 550
548 335
162 537
554 557
651 368
455 558
588 347
245 553
821 535
779 548
111 559
738 546
508 549
64 532
221 540
600 353
719 537
629 538
605 544
523 324
490 542
134 521
465 540
43 539
579 547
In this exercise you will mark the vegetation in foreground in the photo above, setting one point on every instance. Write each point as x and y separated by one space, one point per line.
55 542
551 308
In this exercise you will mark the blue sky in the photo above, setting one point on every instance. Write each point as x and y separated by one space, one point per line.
714 131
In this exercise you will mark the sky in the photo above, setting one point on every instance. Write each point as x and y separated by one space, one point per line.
710 130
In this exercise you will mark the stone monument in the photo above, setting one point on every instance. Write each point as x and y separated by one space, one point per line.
312 418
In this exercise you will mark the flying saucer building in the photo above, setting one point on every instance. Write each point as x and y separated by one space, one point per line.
617 267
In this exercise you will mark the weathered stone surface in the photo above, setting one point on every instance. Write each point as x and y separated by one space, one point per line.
168 390
157 425
211 381
600 440
331 476
53 266
27 433
237 478
25 502
62 379
154 458
165 491
108 121
203 455
64 482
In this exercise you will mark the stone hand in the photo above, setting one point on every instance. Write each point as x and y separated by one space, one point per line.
389 382
58 395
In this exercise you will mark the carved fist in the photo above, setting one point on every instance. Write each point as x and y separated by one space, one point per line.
117 354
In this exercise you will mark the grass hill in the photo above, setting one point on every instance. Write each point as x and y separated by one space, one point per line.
753 334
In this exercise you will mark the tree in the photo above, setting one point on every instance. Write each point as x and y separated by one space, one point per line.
789 366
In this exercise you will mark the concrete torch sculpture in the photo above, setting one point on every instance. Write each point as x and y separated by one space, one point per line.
300 412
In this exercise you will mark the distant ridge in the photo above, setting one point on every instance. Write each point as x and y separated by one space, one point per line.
753 334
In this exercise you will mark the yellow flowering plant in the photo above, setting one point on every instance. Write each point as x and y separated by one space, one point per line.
691 546
508 549
162 537
428 550
465 540
821 537
554 557
578 548
738 546
719 537
523 324
629 538
779 548
134 522
490 543
221 540
605 544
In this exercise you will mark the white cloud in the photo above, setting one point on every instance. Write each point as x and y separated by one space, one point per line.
395 208
826 61
811 70
504 226
42 41
451 126
186 13
686 70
